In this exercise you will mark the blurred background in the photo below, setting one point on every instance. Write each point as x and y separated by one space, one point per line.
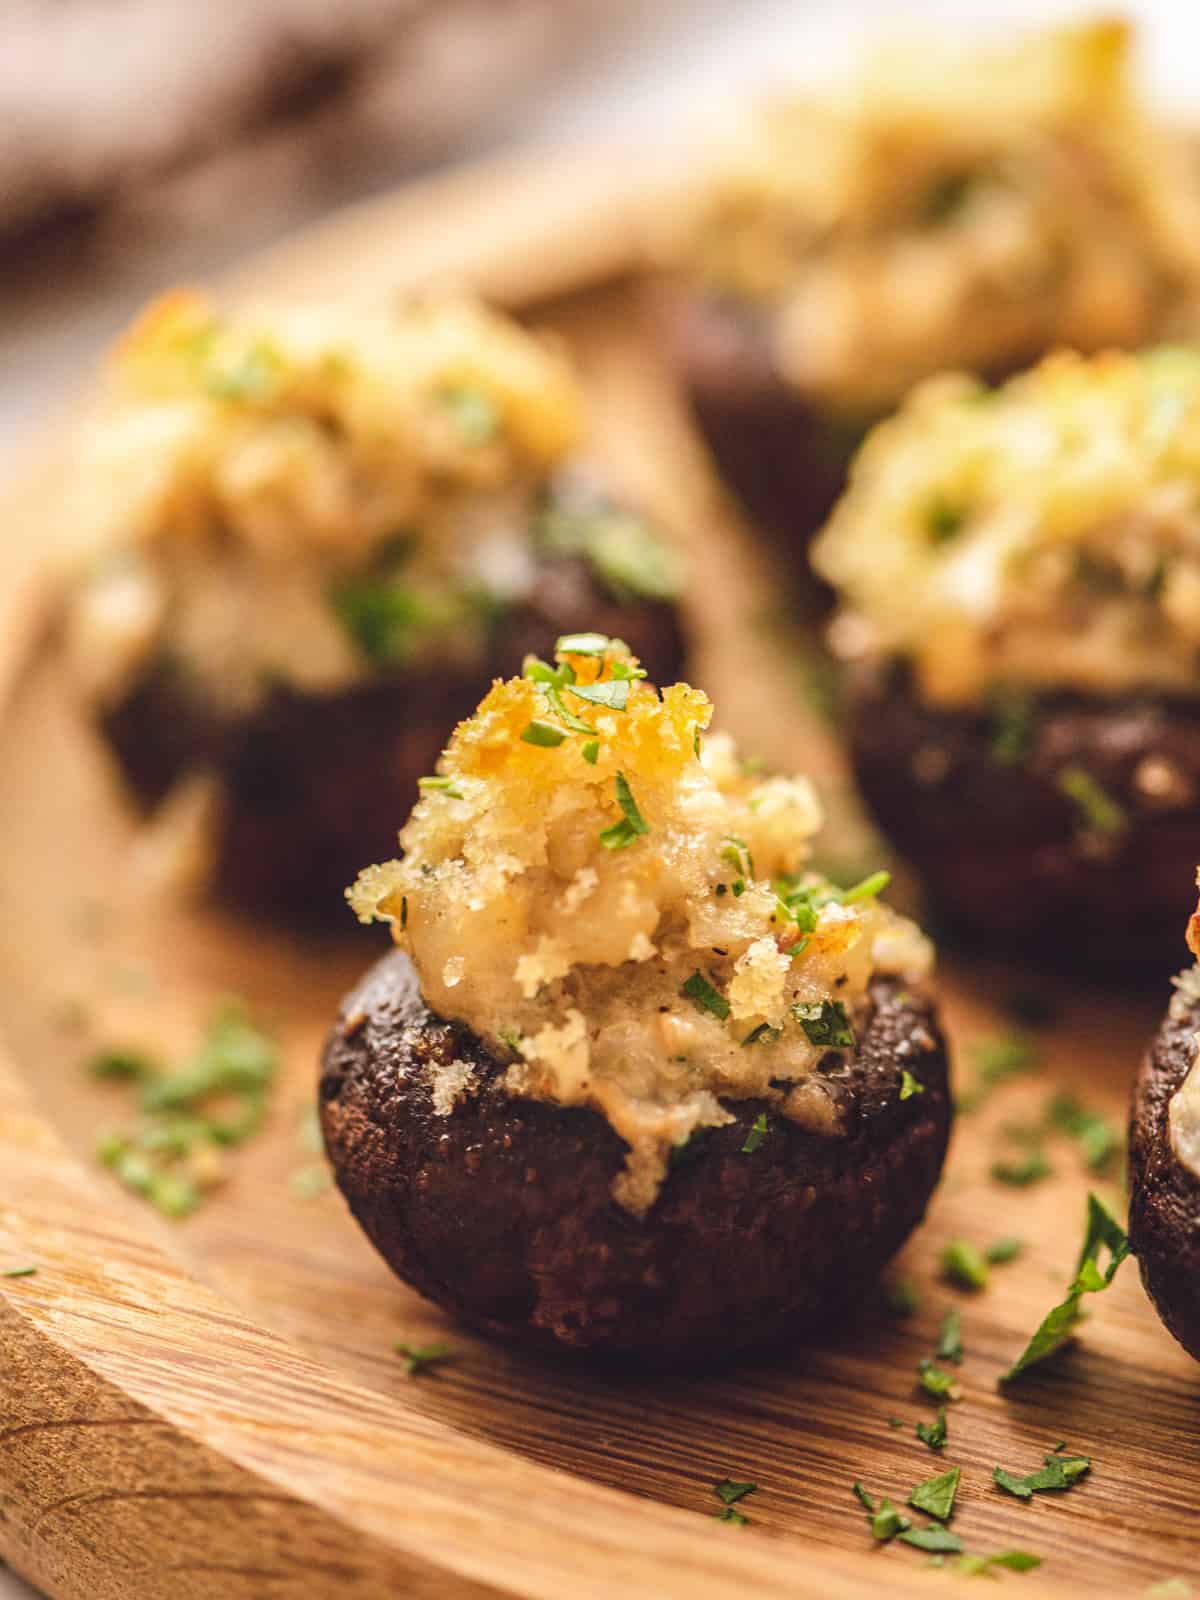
153 141
148 142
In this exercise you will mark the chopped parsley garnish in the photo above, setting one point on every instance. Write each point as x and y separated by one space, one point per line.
627 557
902 1297
963 1264
936 1381
612 692
18 1272
735 853
1099 812
729 1491
438 785
419 1358
996 1059
944 520
552 681
884 1519
544 734
1002 1251
582 644
591 752
475 413
1098 1138
868 889
934 1433
763 1034
826 1024
131 1066
1012 728
383 618
1057 1473
1022 1171
632 823
949 1346
757 1134
1010 1560
861 1495
1103 1233
935 1540
936 1495
253 376
704 996
909 1085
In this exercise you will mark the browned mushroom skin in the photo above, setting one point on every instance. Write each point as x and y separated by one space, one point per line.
1164 1202
502 1211
314 785
1004 852
784 457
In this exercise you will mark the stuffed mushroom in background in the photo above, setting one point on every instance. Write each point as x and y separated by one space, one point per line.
305 539
1164 1160
949 207
1019 576
635 1082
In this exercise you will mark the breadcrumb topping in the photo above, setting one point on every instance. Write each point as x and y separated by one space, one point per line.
953 206
1043 535
629 911
308 494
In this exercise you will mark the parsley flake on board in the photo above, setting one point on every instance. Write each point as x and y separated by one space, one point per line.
996 1059
963 1264
933 1434
1010 1560
420 1358
729 1491
936 1381
826 1024
949 1347
934 1540
902 1297
1057 1472
1099 1139
704 996
1000 1253
757 1134
935 1496
1021 1172
1057 1328
884 1520
632 823
18 1272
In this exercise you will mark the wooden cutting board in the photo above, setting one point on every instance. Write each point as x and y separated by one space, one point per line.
213 1408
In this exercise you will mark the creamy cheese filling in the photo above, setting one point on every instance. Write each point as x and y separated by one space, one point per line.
1043 535
623 914
308 495
954 207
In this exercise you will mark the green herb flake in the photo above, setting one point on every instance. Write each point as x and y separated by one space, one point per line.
632 823
544 734
763 1034
757 1134
935 1540
935 1496
949 1346
437 785
887 1522
1170 1589
936 1381
582 644
383 619
963 1265
1098 811
902 1297
863 1498
612 693
129 1066
18 1272
1099 1139
1010 1560
944 520
895 1422
1102 1234
591 752
933 1434
1002 1251
729 1491
825 1024
1021 1172
868 889
419 1358
1057 1473
704 996
475 414
1013 727
909 1085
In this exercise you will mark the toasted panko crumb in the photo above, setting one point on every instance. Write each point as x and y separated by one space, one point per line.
611 899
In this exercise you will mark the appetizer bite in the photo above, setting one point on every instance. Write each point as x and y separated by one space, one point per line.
1164 1159
1019 575
304 540
635 1081
949 206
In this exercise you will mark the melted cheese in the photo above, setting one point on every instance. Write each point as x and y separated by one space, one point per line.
611 926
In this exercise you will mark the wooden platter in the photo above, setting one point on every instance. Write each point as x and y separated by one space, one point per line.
213 1408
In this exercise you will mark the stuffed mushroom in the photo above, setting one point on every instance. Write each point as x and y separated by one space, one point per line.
635 1081
1164 1160
303 541
946 207
1019 577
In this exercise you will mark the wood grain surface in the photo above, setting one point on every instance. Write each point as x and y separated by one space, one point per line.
213 1408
